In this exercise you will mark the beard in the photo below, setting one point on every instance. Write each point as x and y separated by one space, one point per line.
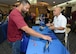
23 11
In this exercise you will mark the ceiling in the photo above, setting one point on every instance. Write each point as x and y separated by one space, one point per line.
11 2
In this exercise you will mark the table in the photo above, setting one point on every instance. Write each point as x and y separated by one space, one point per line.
36 45
24 42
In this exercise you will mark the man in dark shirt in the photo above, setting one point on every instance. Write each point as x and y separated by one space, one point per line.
17 24
1 16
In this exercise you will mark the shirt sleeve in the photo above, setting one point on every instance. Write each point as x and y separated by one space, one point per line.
64 22
18 20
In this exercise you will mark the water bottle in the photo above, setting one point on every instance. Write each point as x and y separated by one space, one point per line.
42 22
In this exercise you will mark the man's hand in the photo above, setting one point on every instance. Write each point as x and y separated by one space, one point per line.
52 27
36 34
48 24
45 37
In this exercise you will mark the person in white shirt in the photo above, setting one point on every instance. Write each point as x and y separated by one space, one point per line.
59 24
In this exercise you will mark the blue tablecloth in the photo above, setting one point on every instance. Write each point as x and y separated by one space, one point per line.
36 45
24 42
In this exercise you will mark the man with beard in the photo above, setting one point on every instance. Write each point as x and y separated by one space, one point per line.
17 24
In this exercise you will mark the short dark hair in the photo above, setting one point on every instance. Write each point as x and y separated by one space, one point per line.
24 2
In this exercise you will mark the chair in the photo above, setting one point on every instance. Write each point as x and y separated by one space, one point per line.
66 37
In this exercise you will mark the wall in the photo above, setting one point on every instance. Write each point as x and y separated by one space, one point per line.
74 8
4 7
41 9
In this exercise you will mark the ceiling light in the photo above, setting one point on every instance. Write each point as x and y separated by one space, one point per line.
54 2
18 0
33 1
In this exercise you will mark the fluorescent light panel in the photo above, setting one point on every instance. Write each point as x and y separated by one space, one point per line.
33 1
